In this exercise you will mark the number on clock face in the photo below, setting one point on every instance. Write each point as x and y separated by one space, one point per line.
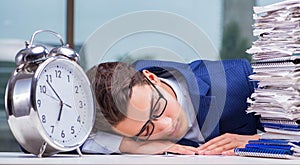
63 100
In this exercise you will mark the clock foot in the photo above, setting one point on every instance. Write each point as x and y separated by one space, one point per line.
42 149
79 152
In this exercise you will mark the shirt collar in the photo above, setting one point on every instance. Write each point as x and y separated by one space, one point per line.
184 100
179 94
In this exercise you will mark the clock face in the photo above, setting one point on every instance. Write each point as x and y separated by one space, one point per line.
64 102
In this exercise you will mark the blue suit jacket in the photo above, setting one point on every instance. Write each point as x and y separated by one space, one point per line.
218 90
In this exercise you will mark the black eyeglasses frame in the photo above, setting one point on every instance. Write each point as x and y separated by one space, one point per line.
151 116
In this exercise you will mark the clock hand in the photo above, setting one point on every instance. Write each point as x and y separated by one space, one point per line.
54 91
60 101
67 105
54 98
60 110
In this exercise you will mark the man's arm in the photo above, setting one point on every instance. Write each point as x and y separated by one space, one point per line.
107 143
102 143
128 145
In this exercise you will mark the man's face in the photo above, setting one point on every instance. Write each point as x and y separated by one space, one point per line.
172 125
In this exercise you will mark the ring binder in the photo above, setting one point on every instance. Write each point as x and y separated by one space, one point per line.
267 153
280 121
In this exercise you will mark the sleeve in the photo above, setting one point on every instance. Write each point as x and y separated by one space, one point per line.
252 85
102 143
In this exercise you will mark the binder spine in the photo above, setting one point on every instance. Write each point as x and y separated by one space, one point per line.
277 62
281 121
282 126
272 64
266 153
291 59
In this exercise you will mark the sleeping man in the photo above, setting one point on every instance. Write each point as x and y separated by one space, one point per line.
152 107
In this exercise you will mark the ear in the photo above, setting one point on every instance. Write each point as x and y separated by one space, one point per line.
152 77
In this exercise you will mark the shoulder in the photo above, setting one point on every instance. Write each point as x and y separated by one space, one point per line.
145 64
227 62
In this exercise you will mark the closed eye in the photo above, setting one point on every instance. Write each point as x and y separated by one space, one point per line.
146 132
156 109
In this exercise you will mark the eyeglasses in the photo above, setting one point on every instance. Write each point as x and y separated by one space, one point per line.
156 111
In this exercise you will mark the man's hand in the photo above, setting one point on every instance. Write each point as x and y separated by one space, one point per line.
128 145
225 144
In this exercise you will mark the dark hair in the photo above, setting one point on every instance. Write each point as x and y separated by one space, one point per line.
113 82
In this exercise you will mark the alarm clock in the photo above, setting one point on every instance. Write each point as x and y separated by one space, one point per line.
49 100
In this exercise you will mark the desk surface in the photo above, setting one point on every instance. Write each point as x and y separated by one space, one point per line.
20 158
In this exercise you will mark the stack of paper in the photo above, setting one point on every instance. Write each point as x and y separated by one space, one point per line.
277 27
276 66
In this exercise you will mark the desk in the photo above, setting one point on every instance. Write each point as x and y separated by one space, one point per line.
20 158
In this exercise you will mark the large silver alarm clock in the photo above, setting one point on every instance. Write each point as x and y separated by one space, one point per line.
49 100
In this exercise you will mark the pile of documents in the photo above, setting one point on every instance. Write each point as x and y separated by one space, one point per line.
276 66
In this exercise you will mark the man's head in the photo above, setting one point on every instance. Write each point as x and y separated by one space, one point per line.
138 103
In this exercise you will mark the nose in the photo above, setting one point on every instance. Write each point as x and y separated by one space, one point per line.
162 123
